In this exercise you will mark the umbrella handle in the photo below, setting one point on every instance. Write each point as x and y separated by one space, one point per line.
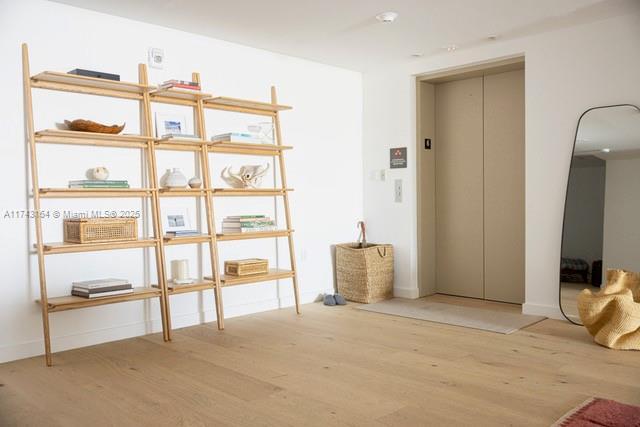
362 238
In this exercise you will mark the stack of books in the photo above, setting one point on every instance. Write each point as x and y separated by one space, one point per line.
101 288
179 233
98 183
179 84
247 224
237 137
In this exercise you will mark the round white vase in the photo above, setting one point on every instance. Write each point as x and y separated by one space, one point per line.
195 182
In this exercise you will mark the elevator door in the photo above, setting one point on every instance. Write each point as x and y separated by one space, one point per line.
504 186
459 188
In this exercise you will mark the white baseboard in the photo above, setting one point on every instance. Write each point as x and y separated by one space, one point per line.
410 293
550 311
68 342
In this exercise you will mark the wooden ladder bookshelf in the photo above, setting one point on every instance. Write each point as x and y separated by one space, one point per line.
145 94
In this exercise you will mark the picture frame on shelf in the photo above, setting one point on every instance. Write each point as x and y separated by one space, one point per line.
176 219
171 125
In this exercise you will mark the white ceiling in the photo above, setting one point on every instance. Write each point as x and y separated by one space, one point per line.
346 33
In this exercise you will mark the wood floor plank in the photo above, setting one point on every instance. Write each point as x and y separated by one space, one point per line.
330 366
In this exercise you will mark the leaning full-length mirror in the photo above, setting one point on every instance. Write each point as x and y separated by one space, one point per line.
602 211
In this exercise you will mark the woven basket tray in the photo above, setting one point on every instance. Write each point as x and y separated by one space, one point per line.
95 230
246 267
365 274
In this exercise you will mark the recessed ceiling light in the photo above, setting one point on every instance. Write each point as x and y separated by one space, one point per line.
606 150
387 17
450 48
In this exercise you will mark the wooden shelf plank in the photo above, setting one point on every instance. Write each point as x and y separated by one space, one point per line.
257 235
180 144
59 193
274 274
186 240
198 285
249 192
243 105
57 136
66 248
177 96
248 148
71 302
88 85
182 192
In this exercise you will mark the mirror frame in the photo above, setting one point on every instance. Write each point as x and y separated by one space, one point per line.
566 194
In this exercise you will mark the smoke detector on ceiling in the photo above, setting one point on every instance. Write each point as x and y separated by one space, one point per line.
387 17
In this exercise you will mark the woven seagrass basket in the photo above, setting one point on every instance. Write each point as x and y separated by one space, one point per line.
96 230
364 274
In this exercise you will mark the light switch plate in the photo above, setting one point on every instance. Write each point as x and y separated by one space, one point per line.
156 58
397 190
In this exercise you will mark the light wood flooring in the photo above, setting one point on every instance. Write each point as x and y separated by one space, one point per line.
330 366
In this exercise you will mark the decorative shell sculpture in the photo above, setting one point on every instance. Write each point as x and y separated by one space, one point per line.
249 176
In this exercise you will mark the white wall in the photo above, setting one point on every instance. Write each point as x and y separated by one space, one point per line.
621 215
325 167
567 71
584 213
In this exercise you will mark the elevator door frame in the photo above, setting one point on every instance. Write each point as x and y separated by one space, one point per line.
425 164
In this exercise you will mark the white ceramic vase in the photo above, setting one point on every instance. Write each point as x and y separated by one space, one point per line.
174 178
195 182
101 173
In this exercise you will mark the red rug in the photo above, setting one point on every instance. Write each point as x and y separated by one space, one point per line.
597 412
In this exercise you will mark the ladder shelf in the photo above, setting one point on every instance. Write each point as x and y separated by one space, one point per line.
145 94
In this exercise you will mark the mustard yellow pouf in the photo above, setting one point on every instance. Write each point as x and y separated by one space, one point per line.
612 315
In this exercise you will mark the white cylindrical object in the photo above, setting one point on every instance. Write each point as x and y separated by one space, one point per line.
180 270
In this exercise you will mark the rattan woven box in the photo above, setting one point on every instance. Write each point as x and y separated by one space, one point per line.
96 230
365 274
246 267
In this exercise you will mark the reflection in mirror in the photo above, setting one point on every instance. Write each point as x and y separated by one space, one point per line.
602 211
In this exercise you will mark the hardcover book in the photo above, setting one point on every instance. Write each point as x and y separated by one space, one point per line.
95 74
100 294
102 289
97 283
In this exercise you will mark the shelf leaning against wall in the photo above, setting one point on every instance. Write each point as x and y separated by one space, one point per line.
197 145
277 149
99 87
145 94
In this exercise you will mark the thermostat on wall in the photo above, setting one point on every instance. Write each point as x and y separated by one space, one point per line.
156 57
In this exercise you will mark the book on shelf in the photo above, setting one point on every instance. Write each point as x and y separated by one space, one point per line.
179 232
180 84
94 183
99 181
103 289
180 136
98 186
248 221
237 137
95 74
233 230
184 233
82 294
247 224
100 283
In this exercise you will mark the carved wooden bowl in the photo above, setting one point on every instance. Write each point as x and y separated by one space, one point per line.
89 126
